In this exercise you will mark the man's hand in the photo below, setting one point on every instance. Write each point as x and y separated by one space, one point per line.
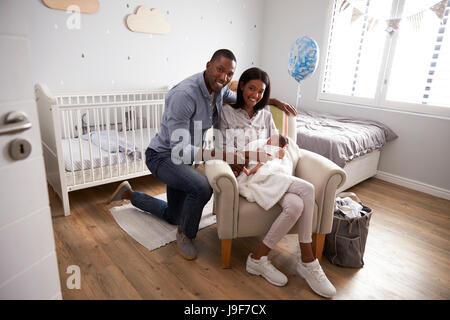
236 168
259 156
281 153
254 170
283 106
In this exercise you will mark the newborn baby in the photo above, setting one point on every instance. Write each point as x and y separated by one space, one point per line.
266 183
275 147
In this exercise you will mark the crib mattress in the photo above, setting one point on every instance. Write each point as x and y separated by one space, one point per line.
81 177
340 138
77 154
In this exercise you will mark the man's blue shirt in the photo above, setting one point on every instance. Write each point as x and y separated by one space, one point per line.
188 113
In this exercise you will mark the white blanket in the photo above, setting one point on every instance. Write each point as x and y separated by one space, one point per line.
115 139
271 181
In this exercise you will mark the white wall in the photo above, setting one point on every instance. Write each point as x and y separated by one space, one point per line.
419 158
198 28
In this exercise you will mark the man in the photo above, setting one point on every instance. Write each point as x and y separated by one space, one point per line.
191 107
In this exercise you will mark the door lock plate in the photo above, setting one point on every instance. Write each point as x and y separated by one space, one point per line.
19 149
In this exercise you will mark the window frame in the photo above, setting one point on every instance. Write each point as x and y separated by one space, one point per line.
379 101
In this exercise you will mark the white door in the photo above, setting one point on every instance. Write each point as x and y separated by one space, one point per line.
28 265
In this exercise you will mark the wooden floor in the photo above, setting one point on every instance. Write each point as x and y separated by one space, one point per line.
407 254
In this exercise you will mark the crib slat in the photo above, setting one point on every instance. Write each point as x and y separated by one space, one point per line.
108 130
117 140
97 128
148 124
133 118
153 116
124 131
90 145
65 131
70 123
142 138
102 128
79 145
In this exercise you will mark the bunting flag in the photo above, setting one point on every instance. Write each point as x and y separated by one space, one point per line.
394 24
356 14
439 9
345 4
416 20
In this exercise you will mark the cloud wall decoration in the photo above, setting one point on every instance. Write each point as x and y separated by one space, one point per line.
148 20
85 6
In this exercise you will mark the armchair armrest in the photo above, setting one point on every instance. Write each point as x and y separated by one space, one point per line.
226 197
327 177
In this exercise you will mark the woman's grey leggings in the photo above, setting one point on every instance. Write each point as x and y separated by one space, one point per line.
297 204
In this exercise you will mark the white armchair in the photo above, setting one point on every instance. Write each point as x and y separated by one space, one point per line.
236 217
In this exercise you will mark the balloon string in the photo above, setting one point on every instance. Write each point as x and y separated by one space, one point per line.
298 95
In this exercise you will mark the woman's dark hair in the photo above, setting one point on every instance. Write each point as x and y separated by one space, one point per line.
253 74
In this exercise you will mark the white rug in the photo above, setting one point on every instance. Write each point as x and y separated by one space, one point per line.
150 231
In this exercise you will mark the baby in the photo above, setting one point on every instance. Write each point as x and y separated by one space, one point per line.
265 183
276 147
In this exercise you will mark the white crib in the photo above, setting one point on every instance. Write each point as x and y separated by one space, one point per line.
94 139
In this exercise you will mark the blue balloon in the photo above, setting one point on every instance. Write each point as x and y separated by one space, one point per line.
303 58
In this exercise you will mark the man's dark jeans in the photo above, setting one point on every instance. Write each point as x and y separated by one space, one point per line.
188 191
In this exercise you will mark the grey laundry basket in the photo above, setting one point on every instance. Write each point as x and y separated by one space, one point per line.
346 243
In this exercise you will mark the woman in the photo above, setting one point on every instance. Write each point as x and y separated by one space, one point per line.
242 123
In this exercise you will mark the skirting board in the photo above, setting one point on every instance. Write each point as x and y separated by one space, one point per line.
413 184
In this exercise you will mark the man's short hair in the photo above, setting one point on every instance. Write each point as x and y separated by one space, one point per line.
223 53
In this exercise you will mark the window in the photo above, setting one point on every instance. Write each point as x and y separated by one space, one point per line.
389 53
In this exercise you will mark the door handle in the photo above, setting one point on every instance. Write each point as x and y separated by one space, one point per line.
15 121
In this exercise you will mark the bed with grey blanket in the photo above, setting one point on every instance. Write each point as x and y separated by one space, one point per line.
340 138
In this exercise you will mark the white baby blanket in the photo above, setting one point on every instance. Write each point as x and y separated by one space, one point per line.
271 181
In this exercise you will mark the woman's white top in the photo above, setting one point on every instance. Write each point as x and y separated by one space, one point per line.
238 129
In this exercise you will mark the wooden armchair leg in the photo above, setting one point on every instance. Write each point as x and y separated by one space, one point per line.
318 242
226 253
214 205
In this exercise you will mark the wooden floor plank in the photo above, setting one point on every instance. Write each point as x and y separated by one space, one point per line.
407 253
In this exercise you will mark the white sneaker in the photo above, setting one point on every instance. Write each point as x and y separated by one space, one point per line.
263 267
315 277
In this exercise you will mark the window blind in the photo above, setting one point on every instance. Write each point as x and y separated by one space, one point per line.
421 63
391 50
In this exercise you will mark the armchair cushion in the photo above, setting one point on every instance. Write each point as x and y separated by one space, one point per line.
254 220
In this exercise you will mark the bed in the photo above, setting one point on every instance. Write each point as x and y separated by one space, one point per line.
353 144
94 139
